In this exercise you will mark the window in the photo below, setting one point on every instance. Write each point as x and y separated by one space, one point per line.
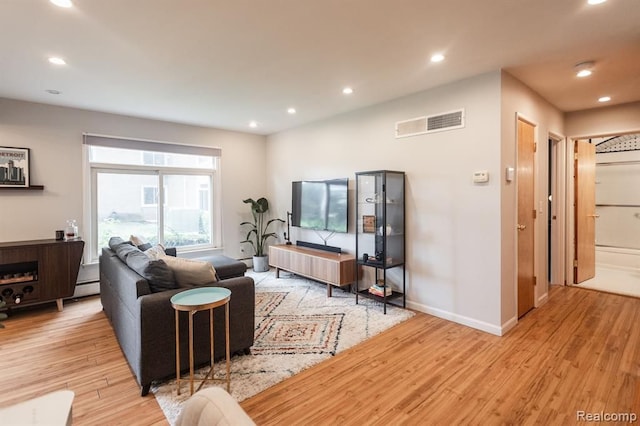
149 195
164 193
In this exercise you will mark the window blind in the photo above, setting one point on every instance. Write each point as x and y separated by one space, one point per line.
144 145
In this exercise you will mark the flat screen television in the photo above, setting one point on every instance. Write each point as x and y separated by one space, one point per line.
320 204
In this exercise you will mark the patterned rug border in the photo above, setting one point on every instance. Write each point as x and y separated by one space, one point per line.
334 325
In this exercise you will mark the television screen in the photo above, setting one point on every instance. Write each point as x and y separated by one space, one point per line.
321 205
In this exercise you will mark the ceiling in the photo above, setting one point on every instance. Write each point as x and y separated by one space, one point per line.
225 63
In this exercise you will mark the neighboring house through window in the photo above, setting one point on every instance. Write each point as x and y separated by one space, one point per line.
162 192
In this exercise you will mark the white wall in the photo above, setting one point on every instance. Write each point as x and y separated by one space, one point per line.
520 99
603 121
453 226
54 135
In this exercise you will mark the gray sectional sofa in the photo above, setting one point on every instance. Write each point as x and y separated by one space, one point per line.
144 321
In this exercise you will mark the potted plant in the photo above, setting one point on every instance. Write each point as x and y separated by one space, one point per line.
259 232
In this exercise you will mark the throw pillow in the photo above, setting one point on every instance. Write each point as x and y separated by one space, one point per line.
190 272
116 241
139 242
155 252
122 248
156 272
145 246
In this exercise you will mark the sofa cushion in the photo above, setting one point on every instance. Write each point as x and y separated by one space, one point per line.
116 241
155 252
123 250
190 272
226 267
156 272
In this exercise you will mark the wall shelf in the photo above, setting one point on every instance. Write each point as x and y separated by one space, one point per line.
26 188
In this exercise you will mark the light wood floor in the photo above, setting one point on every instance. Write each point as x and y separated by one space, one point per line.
581 351
43 350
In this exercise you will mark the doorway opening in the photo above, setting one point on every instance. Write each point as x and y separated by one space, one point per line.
556 209
616 215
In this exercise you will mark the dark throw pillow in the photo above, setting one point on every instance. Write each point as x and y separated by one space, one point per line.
156 272
145 246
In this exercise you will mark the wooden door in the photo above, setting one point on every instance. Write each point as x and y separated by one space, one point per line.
526 218
584 265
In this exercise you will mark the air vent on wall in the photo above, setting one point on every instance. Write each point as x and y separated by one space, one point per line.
412 127
447 121
429 124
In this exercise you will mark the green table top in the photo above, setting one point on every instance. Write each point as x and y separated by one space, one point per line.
200 296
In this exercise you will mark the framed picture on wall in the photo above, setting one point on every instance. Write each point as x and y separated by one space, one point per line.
14 167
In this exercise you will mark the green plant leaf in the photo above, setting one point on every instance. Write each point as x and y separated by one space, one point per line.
259 227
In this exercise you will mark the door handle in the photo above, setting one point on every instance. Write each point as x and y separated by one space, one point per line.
521 227
595 216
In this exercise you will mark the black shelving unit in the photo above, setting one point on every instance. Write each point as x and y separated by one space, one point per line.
380 236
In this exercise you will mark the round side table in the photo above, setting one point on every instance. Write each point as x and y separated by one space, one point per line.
196 300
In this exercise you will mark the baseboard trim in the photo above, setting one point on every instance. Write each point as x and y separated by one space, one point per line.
542 299
459 319
509 325
87 289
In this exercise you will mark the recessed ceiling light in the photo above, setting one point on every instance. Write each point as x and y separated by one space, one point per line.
596 1
604 99
438 57
57 61
253 124
584 69
347 90
53 91
291 110
62 3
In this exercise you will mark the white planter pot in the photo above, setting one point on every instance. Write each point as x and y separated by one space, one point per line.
260 263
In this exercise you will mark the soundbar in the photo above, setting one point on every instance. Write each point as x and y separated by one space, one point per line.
324 247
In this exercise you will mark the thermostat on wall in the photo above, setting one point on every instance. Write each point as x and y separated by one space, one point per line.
481 176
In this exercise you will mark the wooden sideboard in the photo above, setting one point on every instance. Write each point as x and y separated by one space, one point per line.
334 269
38 271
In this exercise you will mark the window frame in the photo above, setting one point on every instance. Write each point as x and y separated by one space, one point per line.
91 170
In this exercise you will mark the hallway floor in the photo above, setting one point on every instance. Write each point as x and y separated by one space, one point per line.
615 280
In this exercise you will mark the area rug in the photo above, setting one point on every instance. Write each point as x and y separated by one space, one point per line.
297 326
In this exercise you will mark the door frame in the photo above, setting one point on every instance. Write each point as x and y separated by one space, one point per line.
562 179
536 183
570 196
559 183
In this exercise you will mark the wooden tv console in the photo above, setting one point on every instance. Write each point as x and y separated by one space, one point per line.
334 269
